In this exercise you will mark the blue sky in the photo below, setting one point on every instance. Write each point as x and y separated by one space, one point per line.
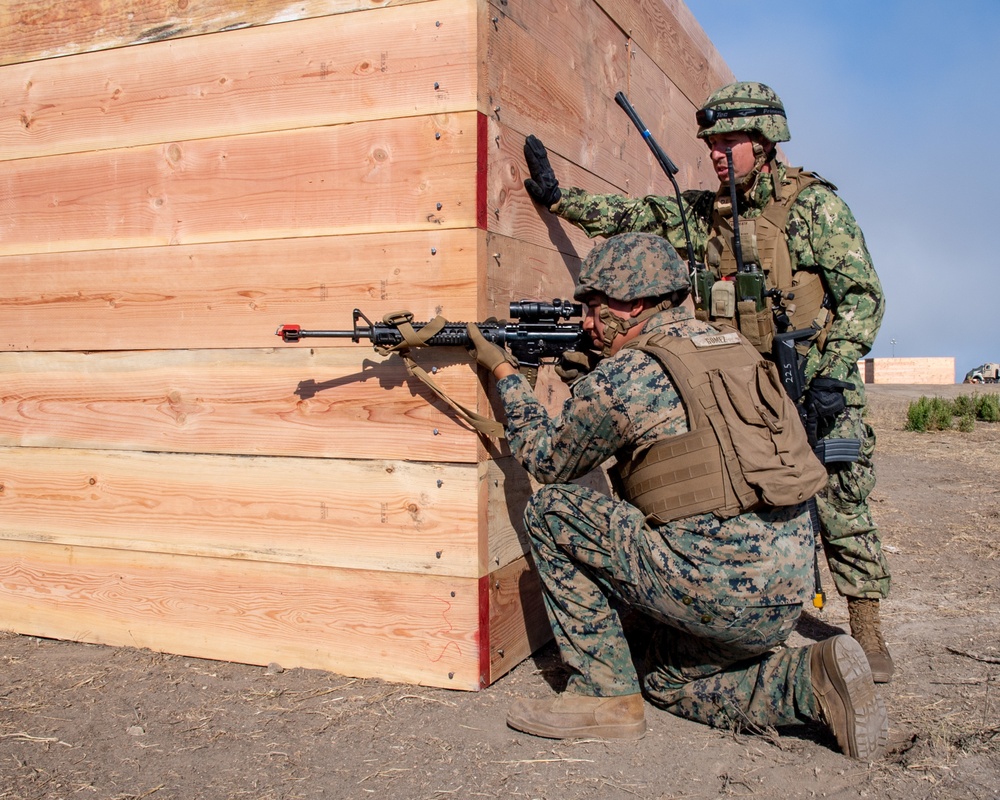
897 103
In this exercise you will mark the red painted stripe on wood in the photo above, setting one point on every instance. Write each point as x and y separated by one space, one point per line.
484 632
482 171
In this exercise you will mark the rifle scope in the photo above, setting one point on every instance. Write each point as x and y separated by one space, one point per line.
535 311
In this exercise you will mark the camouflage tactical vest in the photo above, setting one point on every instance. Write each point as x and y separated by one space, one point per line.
745 448
764 243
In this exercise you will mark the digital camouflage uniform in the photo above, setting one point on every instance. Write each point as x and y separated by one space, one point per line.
823 237
726 592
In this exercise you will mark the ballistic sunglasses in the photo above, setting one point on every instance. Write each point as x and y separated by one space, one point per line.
709 116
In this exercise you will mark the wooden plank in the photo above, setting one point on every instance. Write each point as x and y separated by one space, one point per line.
590 140
625 166
399 627
518 625
404 61
555 74
719 72
233 294
517 269
536 82
507 488
297 401
359 178
512 213
669 33
939 370
670 117
394 516
35 29
632 172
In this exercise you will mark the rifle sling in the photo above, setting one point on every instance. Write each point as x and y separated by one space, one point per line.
412 338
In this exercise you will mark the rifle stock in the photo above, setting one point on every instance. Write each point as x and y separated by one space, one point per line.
791 366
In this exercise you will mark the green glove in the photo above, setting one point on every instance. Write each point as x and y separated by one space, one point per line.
486 353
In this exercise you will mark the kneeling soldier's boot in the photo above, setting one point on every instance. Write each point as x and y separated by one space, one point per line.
577 716
866 628
848 700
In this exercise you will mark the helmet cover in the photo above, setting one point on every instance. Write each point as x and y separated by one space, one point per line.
632 266
745 96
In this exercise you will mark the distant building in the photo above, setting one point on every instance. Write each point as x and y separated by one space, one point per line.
908 370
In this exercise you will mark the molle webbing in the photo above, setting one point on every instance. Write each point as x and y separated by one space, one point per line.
765 243
745 446
691 473
678 477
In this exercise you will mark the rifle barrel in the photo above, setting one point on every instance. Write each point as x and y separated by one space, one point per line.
292 333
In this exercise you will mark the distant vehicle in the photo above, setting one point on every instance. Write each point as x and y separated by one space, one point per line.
987 373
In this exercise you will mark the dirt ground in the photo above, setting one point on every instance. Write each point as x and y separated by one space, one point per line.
84 721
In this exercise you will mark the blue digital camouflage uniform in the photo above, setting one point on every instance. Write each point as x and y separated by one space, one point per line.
824 237
723 593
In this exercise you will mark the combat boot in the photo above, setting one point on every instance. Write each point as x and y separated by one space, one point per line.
866 628
848 700
577 716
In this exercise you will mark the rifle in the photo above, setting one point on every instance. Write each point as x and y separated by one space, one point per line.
536 337
791 366
791 369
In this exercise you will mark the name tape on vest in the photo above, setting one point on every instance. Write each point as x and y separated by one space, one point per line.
715 339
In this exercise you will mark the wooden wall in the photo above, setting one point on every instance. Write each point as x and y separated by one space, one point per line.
177 179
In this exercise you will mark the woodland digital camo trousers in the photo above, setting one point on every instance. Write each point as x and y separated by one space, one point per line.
850 538
707 660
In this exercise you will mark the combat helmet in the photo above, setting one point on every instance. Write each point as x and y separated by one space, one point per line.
632 266
744 106
627 267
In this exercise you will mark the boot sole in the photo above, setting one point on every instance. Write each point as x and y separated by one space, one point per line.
868 723
882 677
882 669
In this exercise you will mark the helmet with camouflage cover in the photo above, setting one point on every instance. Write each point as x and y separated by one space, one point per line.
744 106
632 266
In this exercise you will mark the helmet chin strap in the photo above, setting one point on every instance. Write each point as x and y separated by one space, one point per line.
615 326
747 185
